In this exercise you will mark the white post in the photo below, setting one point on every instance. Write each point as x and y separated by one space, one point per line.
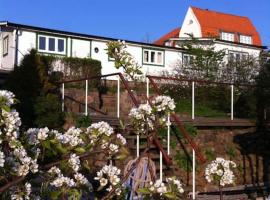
193 175
63 97
193 101
118 97
232 101
86 97
147 89
138 146
168 135
160 166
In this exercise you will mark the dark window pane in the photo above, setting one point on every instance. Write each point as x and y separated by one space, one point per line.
51 44
146 59
42 43
152 57
60 45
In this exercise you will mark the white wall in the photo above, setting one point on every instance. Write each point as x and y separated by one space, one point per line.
7 61
254 52
26 42
80 48
190 25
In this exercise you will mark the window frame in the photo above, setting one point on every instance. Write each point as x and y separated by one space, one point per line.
245 36
156 52
225 32
5 45
241 53
56 39
190 57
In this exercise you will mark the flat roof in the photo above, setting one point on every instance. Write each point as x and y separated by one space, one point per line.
74 34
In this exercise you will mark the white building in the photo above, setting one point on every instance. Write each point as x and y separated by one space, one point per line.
235 34
17 39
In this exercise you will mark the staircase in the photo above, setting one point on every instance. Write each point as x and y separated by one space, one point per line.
156 147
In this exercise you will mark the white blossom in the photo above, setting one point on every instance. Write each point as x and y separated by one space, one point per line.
121 138
108 174
163 104
81 180
74 162
222 169
2 159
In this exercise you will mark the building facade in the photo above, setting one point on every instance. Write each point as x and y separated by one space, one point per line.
235 34
17 40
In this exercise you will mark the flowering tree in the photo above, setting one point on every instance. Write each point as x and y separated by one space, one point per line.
220 171
145 116
56 164
122 58
171 189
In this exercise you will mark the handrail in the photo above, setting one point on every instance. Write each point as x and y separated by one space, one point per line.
198 80
91 107
89 78
166 158
177 120
136 103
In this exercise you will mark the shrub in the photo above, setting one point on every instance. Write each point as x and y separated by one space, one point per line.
35 84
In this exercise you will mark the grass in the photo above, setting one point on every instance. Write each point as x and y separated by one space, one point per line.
201 110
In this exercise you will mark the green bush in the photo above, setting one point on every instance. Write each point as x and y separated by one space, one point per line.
83 121
48 111
36 86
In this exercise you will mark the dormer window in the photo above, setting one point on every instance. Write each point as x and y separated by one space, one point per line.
245 39
227 36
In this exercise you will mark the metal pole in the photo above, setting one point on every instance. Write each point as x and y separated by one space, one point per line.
63 97
118 97
147 89
160 166
168 135
193 101
138 146
232 92
86 97
193 175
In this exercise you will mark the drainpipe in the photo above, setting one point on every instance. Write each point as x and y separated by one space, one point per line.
16 48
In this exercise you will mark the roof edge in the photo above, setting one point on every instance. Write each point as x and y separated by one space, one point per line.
76 34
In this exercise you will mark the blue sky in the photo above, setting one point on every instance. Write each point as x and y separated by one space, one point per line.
138 20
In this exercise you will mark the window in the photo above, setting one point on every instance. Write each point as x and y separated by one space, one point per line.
187 59
50 44
42 43
237 56
227 36
245 39
61 45
153 57
5 46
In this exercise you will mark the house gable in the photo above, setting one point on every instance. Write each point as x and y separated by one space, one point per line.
190 25
227 23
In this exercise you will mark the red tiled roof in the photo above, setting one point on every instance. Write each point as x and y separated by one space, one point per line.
212 23
174 33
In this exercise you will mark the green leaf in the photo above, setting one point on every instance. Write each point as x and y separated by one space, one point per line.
170 195
60 148
79 150
144 191
54 195
6 108
46 144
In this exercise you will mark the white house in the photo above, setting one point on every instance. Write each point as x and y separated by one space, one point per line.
17 39
234 33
